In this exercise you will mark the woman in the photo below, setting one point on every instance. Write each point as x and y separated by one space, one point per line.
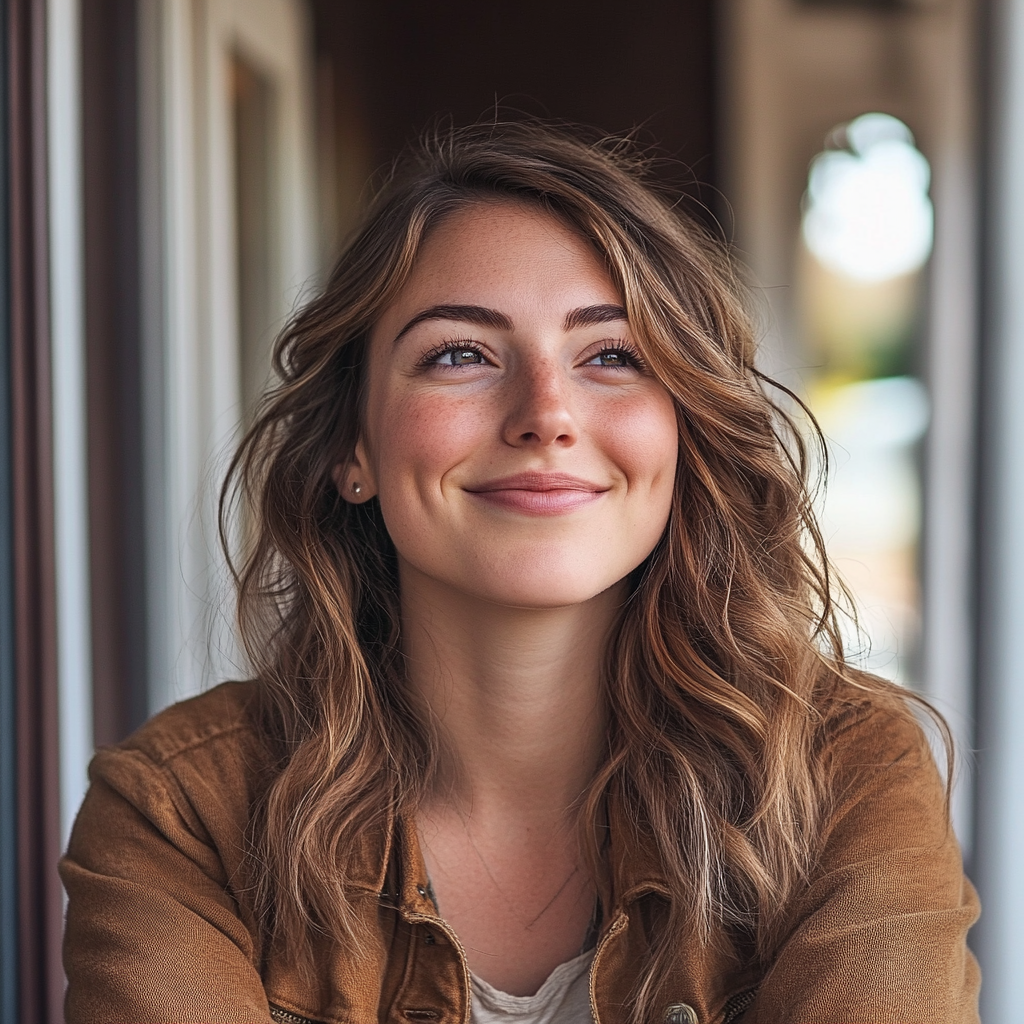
550 719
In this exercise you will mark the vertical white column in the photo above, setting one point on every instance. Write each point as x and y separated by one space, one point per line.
74 656
950 462
70 457
180 571
1000 840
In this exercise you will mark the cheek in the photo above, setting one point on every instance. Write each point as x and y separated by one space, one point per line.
643 438
419 436
644 442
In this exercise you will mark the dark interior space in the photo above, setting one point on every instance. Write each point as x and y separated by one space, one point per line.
400 67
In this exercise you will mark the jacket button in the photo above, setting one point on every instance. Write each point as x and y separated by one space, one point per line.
680 1013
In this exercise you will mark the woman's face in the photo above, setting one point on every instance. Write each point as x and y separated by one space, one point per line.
521 452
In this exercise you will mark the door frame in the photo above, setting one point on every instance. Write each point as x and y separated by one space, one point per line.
192 370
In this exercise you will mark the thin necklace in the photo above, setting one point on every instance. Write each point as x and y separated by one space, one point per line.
561 889
472 842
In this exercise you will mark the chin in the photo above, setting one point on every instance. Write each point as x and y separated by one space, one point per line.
531 600
542 577
541 591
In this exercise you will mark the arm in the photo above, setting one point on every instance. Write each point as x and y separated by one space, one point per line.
153 932
881 931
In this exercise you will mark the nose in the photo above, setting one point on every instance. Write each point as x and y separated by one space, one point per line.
540 411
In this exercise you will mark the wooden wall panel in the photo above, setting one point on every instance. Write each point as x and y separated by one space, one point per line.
8 676
40 978
113 365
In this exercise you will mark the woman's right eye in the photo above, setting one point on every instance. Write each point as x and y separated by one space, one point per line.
455 354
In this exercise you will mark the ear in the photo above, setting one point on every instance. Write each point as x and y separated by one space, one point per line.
355 480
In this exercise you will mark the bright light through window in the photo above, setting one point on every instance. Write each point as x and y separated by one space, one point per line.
868 215
866 237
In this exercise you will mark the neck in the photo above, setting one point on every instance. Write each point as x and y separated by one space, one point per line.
516 695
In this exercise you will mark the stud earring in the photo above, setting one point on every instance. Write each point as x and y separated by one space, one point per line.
357 489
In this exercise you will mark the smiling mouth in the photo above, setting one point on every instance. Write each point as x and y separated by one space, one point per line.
539 493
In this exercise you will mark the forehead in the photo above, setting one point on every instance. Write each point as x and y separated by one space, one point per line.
505 256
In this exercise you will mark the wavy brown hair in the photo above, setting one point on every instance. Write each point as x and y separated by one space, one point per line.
728 650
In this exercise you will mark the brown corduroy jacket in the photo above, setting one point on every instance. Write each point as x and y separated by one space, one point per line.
160 929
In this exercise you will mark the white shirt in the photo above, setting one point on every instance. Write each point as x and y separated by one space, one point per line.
563 999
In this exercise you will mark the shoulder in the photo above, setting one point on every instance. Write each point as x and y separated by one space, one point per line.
219 718
197 762
867 723
878 743
155 871
886 892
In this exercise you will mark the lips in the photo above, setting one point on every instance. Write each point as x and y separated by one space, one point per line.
539 493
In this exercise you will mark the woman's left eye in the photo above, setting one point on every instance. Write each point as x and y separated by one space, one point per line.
615 357
460 357
454 355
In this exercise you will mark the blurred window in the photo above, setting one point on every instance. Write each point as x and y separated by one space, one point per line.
866 235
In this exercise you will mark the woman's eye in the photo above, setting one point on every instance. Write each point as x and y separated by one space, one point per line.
612 357
455 355
462 357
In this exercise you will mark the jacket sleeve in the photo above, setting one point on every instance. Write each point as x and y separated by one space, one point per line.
880 934
153 932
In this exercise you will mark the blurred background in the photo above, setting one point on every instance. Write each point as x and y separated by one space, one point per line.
180 173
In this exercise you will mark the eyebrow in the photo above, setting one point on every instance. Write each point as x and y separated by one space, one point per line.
479 315
482 316
589 316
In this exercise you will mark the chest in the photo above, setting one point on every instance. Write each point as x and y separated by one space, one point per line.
519 913
414 970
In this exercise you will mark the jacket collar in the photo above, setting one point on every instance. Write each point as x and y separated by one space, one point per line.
633 857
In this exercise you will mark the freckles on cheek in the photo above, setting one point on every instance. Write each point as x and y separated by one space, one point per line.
645 442
421 436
